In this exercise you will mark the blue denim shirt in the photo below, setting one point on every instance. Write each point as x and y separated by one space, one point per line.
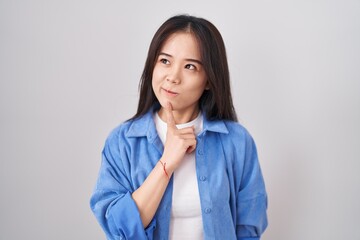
231 186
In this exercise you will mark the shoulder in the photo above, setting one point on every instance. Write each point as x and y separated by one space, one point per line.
120 130
239 143
227 130
237 131
133 128
117 135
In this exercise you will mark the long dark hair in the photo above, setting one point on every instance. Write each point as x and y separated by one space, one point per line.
216 102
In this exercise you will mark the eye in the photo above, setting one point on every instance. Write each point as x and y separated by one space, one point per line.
190 66
164 61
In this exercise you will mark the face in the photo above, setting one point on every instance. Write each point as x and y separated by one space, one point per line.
179 76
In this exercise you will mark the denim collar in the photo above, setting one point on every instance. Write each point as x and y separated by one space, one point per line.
144 126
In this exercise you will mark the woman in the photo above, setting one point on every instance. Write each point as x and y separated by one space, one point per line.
182 167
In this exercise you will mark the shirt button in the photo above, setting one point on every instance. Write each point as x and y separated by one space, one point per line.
200 152
203 178
207 210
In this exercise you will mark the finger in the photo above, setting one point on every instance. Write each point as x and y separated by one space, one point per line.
191 148
186 130
169 116
187 136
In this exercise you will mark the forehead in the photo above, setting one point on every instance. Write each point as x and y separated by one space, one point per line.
182 44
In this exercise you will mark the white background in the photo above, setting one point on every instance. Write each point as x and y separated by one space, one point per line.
69 72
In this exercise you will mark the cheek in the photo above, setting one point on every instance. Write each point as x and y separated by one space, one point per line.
199 86
155 88
155 83
156 77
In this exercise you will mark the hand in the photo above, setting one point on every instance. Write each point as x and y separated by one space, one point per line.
178 141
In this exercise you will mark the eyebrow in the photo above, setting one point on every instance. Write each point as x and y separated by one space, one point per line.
187 59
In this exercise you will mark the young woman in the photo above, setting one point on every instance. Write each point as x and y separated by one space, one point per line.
182 167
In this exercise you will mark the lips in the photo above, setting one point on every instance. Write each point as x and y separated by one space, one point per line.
171 93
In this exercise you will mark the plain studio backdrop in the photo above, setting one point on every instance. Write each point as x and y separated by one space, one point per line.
69 73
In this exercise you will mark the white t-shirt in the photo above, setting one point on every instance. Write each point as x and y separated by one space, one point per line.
186 219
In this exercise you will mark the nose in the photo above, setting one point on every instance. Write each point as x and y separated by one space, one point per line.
172 80
174 75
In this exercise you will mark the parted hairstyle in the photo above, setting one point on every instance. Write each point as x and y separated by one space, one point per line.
215 102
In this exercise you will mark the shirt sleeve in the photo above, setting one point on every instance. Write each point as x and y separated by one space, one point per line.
252 197
111 201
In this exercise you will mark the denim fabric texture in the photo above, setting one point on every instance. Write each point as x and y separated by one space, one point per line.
231 186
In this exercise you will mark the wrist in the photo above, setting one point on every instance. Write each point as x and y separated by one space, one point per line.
167 168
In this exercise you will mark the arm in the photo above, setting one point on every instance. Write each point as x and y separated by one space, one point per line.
111 201
178 142
124 212
148 196
252 198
